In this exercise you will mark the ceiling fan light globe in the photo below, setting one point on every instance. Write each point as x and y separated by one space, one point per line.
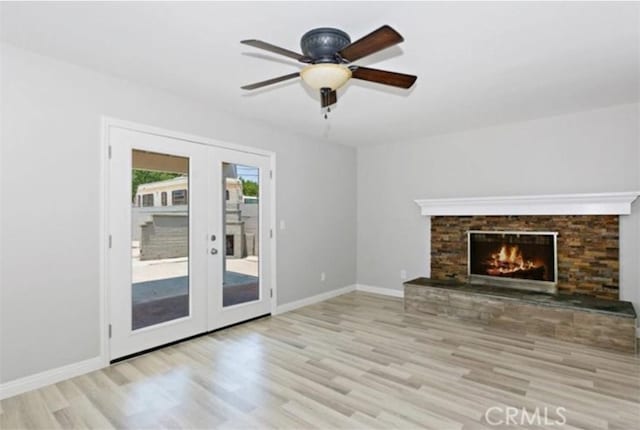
325 75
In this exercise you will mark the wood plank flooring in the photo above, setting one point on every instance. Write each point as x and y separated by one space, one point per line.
355 361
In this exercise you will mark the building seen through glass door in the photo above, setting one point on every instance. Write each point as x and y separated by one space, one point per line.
241 241
160 238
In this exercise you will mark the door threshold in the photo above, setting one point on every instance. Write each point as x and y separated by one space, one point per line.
175 342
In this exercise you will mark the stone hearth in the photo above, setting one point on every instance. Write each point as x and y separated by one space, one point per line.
571 317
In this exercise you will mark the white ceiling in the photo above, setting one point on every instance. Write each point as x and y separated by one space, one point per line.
478 64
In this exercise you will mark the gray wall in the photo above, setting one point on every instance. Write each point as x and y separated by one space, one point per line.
49 275
142 215
250 216
165 236
597 151
49 302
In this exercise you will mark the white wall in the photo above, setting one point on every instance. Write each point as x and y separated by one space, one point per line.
596 151
49 303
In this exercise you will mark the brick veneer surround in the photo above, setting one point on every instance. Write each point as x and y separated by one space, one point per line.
588 247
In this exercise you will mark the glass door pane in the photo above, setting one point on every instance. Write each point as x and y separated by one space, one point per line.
241 191
159 238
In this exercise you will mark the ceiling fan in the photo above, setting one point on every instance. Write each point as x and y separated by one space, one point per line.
327 51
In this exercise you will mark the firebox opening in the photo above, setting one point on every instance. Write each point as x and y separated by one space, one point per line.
516 259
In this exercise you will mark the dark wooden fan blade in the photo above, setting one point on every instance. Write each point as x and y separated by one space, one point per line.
271 81
383 77
380 39
276 49
328 97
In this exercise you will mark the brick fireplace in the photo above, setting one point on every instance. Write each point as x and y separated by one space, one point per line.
587 248
587 226
582 229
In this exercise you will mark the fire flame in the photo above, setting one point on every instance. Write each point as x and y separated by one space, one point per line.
508 260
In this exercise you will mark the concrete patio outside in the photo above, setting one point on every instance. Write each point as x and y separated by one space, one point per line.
160 288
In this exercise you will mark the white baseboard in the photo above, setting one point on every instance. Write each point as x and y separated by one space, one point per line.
48 377
314 299
380 290
338 292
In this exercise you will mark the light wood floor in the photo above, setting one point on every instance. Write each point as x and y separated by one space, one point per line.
356 361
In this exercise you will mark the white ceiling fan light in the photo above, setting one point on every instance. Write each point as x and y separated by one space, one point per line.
325 75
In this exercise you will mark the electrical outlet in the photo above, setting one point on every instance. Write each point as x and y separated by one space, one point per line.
323 277
403 275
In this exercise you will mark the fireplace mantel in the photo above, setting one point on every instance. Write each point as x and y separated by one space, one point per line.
618 203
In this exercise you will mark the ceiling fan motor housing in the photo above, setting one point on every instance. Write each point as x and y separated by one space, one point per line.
322 44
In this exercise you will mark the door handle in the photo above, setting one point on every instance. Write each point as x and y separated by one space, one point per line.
214 251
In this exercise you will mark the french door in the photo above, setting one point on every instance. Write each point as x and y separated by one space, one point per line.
189 239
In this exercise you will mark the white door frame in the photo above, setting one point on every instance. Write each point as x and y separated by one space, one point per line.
107 124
